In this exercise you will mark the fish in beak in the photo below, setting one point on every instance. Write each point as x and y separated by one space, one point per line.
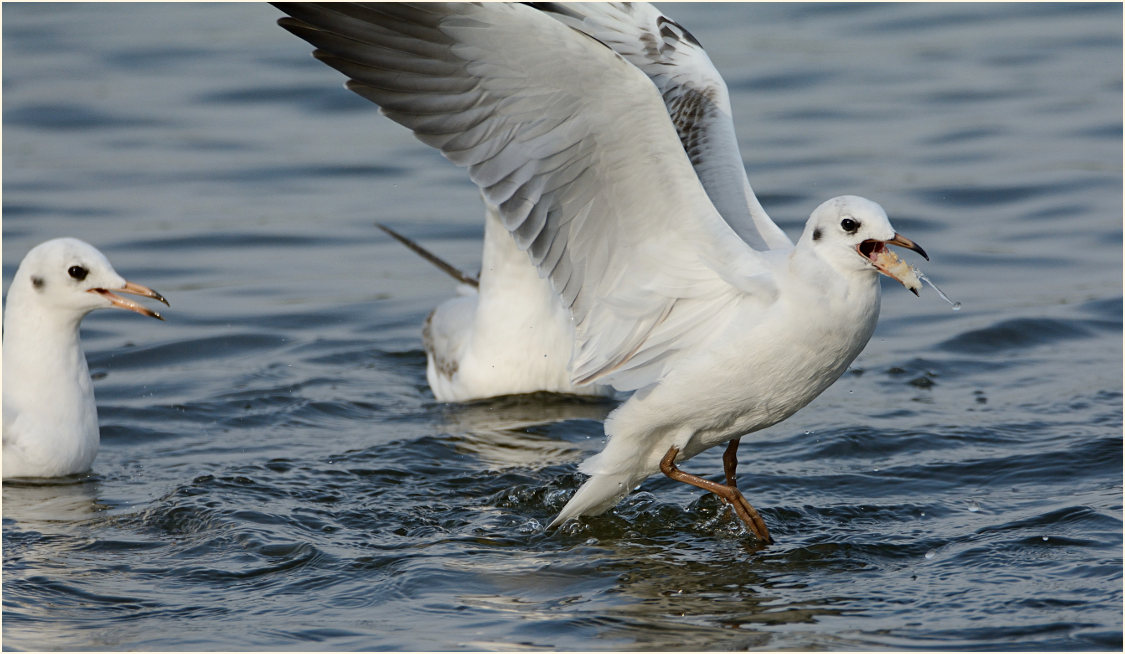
129 305
888 263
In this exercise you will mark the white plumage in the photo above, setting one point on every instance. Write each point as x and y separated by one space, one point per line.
505 335
509 333
50 425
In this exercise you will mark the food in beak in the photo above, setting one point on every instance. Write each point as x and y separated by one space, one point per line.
129 305
888 262
890 265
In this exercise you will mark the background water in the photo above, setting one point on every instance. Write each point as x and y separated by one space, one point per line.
275 473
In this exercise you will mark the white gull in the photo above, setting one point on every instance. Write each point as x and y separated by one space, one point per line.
719 325
50 420
505 333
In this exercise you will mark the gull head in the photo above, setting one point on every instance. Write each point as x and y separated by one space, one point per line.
71 278
852 233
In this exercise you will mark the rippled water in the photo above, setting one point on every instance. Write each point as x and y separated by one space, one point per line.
275 473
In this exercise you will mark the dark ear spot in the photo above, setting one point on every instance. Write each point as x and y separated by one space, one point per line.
816 234
38 283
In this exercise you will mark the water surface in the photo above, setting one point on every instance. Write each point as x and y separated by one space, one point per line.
275 473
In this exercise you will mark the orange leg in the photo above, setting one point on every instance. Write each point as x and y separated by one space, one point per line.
728 492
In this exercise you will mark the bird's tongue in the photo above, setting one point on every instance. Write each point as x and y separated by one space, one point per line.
871 249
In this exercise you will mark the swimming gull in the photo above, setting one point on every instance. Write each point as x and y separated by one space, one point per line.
50 424
573 148
505 333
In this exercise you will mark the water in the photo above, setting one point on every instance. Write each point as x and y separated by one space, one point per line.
275 474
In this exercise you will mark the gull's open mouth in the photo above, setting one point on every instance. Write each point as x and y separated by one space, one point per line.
888 263
129 305
870 249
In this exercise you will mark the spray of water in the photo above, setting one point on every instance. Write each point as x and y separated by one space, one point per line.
956 305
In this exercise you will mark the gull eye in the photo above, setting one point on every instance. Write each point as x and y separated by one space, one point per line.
849 225
77 272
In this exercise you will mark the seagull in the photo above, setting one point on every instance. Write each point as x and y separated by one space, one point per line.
50 423
716 323
505 333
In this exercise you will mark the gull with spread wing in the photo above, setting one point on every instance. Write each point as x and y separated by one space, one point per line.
506 332
717 323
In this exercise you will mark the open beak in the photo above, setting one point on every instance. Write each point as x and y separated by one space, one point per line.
888 262
904 242
129 305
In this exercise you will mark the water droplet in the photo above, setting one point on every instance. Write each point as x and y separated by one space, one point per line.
956 305
973 506
931 554
1045 539
591 541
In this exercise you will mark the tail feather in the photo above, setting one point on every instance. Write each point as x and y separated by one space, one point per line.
614 472
597 495
442 265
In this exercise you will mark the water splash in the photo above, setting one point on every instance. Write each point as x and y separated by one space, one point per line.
956 305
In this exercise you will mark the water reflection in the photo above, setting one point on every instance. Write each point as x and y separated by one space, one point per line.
501 433
683 596
689 596
47 504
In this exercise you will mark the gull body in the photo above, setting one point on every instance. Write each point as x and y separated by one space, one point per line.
716 322
50 421
767 358
506 334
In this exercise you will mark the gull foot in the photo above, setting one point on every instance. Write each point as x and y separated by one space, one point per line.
728 492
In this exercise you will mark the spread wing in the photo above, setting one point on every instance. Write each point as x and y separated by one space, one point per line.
696 97
574 147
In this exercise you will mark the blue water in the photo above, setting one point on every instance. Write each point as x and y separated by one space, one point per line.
275 473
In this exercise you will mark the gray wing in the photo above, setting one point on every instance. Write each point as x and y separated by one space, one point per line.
573 146
696 97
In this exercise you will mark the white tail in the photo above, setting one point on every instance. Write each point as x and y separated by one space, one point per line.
598 494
